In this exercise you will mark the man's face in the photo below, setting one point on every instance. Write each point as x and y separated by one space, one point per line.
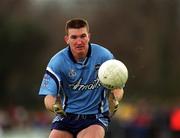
78 40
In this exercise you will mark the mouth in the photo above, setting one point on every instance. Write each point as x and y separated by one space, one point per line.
80 47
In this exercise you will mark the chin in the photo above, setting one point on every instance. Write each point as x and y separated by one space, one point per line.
81 52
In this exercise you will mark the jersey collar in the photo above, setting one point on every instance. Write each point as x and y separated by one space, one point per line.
73 59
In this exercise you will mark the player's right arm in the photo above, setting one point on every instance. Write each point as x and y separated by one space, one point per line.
49 101
49 89
51 85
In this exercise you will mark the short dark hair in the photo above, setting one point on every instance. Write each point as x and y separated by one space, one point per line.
76 23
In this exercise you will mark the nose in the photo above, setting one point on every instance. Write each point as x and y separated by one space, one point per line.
79 41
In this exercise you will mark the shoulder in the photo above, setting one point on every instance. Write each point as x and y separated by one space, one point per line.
99 47
58 58
100 50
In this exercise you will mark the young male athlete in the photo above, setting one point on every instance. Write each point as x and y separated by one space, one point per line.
72 89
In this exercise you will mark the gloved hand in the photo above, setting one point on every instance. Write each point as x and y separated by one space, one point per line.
57 108
115 108
113 104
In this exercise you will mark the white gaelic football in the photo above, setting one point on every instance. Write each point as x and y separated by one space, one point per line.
113 74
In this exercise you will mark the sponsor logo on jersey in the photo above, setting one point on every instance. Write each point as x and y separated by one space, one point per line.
46 80
78 86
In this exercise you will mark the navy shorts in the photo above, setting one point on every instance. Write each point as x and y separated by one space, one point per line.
74 123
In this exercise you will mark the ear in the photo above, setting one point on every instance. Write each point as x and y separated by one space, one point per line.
66 39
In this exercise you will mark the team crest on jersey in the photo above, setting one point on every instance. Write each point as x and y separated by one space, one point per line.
72 73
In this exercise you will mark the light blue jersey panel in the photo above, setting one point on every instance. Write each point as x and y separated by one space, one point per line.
77 83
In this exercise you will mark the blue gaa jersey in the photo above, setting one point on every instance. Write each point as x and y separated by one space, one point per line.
77 82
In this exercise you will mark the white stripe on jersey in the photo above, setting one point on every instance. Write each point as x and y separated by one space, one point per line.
59 83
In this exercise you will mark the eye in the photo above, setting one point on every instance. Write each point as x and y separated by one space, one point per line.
73 37
83 35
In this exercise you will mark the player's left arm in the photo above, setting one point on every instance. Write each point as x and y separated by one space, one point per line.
114 99
118 93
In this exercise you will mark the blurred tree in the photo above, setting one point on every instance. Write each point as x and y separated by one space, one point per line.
167 47
21 41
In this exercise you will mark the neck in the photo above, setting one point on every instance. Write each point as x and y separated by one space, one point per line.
80 56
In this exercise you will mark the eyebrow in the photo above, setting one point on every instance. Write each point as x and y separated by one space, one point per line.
76 36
